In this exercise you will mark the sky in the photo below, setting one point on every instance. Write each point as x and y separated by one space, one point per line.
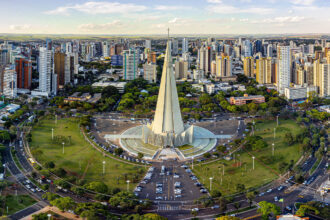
133 17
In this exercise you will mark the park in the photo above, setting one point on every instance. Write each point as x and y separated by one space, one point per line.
77 157
228 176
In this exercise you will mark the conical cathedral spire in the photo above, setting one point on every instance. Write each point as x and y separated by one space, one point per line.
168 115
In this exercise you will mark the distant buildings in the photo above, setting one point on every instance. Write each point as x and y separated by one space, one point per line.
106 49
223 66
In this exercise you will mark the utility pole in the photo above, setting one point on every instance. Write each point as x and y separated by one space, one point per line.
211 178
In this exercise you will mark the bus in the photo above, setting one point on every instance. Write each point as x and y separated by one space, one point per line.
31 161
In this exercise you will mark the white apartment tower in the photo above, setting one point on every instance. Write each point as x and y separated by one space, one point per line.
148 44
45 69
10 82
106 49
185 45
130 63
284 68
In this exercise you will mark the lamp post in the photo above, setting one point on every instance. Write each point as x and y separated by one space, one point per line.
273 149
103 167
253 162
49 216
63 146
253 127
127 184
274 133
211 178
52 133
223 169
277 120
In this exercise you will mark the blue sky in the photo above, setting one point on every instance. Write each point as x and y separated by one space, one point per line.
154 16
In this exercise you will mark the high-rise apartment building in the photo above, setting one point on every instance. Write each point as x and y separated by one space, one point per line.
270 50
24 73
224 66
264 70
46 70
150 72
325 80
248 66
205 57
175 47
185 47
148 44
284 68
59 68
10 82
130 62
106 49
181 69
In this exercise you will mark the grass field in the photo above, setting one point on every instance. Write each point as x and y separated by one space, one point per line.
80 158
16 203
241 170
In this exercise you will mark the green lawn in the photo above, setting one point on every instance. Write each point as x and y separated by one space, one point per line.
80 158
16 203
241 170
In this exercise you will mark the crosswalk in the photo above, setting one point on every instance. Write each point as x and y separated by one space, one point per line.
168 208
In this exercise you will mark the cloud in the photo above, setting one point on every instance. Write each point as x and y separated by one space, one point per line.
214 1
19 27
100 27
302 2
170 8
285 19
98 8
228 9
243 19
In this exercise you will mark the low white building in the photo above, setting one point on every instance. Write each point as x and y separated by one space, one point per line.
119 85
298 92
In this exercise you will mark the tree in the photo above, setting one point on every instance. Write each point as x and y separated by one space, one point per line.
216 193
266 209
237 205
123 200
288 138
50 196
240 187
64 203
97 186
50 164
223 204
140 155
303 209
119 151
41 216
250 196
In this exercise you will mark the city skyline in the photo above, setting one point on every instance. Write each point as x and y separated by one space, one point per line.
153 17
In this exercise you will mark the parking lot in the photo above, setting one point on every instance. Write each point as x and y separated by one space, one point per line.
171 183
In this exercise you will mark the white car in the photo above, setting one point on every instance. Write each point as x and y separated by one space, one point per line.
195 210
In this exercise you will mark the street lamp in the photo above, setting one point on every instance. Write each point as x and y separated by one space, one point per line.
103 167
277 120
49 215
211 178
127 184
253 162
273 149
63 146
52 133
